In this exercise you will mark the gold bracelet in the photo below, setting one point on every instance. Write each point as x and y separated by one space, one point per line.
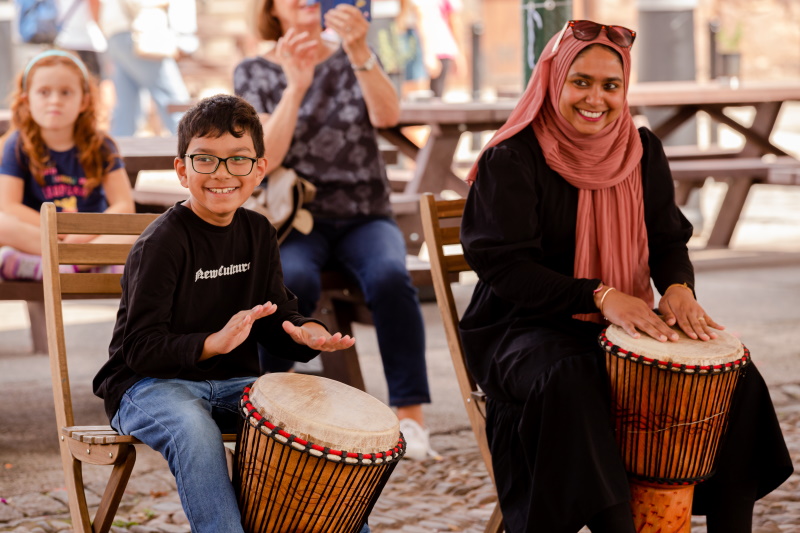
603 299
684 285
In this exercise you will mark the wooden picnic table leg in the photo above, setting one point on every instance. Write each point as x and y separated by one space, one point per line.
757 136
681 115
38 325
729 212
684 188
405 145
435 161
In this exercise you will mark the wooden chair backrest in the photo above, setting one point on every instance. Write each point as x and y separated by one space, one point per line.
84 284
441 225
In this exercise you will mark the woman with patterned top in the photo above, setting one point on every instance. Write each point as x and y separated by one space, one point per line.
322 100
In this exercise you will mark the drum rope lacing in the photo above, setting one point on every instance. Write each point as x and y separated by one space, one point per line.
694 423
669 365
258 421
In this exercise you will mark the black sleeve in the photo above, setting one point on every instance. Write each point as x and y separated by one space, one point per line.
269 331
502 239
668 231
150 348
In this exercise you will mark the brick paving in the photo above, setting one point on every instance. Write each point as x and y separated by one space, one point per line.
453 493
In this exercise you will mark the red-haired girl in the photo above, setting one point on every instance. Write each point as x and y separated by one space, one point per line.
54 153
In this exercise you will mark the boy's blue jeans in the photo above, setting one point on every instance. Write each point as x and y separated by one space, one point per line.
184 421
373 251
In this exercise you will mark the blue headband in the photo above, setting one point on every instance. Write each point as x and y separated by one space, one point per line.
51 53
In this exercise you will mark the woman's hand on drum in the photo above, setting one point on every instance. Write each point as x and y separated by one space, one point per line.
317 337
678 306
632 313
235 331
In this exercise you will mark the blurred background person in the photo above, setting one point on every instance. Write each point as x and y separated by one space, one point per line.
322 101
144 39
440 30
80 32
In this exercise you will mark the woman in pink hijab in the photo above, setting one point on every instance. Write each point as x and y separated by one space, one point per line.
570 216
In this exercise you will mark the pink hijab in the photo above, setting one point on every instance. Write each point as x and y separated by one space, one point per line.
611 238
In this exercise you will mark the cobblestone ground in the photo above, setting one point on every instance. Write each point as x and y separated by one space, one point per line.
450 494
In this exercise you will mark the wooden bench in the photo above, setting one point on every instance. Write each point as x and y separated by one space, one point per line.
341 304
740 174
32 293
693 152
155 198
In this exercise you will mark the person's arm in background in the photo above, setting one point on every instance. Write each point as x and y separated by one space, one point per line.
12 189
421 10
94 9
296 53
380 95
19 224
456 24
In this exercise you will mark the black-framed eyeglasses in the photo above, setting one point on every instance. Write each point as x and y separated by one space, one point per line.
587 30
237 165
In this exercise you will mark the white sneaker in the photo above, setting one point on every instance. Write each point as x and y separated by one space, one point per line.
418 440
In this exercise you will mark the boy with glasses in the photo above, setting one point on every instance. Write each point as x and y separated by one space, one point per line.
202 286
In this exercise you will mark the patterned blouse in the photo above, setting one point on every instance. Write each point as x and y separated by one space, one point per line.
334 145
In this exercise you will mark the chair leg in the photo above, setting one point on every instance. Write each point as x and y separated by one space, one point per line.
114 490
495 524
78 509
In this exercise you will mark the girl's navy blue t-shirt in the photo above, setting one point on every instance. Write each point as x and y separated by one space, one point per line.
64 179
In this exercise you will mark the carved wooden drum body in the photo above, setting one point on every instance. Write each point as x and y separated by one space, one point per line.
670 403
313 455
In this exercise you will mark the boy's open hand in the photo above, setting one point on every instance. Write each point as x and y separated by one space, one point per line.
235 331
316 337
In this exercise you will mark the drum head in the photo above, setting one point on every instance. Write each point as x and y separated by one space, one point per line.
723 350
326 412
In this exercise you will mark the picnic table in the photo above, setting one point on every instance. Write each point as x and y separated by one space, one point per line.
758 161
689 98
147 153
434 160
447 121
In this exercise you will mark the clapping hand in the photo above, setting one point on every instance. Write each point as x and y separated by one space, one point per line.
317 337
296 52
349 23
235 331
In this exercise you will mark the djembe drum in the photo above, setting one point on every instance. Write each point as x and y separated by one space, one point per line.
313 455
669 404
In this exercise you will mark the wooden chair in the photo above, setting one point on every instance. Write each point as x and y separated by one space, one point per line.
97 445
440 226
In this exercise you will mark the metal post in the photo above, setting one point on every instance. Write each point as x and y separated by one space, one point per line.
6 51
477 74
713 54
477 67
540 21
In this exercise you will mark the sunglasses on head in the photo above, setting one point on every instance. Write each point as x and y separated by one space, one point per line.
586 30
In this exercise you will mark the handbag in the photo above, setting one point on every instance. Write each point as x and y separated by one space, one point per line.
150 30
281 201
